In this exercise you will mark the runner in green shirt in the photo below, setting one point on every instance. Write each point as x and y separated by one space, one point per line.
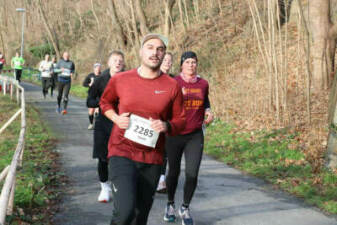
17 63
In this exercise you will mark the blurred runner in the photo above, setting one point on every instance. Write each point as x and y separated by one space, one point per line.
88 82
103 125
66 68
17 62
46 69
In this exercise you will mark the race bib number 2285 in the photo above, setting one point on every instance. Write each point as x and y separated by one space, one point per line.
140 131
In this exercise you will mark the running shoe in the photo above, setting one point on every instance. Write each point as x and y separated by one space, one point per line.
58 110
64 112
104 195
161 187
90 127
185 216
170 214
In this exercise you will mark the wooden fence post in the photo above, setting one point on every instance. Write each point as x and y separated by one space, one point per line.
11 90
17 95
11 199
4 87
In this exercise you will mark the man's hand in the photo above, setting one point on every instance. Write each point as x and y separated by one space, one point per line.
158 125
122 120
91 82
208 117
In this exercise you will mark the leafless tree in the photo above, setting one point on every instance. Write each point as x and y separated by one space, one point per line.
142 18
48 30
116 24
168 11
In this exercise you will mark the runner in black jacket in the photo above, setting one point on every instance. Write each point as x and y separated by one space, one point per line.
88 82
103 125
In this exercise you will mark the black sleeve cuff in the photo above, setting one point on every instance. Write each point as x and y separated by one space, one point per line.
169 127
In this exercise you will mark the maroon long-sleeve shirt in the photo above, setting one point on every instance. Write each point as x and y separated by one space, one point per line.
159 98
195 95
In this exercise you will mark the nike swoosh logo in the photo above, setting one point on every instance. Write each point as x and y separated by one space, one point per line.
114 188
158 92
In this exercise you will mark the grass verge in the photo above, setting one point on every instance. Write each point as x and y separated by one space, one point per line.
269 155
39 179
79 91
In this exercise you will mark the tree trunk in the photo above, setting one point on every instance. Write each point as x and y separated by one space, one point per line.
331 52
117 27
319 15
2 28
181 14
142 19
324 35
134 25
196 10
186 14
46 25
284 10
168 9
96 17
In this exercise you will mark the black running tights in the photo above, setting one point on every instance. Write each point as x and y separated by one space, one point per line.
18 73
191 145
134 185
63 88
103 171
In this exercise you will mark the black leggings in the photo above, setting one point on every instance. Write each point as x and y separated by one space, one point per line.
163 167
63 87
134 185
18 73
103 172
46 84
191 145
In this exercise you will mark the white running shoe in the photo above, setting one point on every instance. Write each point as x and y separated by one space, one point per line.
104 195
161 188
185 216
170 213
90 127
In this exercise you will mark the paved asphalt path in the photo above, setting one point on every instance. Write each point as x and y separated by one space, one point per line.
224 195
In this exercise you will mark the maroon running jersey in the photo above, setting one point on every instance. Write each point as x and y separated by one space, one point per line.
194 99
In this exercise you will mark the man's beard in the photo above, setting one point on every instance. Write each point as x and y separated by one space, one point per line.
153 67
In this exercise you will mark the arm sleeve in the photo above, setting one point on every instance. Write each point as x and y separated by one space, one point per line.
86 81
41 67
178 120
109 98
207 103
72 67
93 96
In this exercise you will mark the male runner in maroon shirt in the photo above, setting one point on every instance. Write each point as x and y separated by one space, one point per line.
144 104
